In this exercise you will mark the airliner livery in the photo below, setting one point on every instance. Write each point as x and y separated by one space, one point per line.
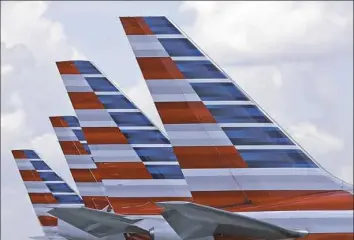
224 171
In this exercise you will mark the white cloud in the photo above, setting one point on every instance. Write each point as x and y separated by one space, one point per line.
6 69
45 38
314 139
13 121
269 30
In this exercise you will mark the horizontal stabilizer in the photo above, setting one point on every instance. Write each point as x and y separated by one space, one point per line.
193 221
98 223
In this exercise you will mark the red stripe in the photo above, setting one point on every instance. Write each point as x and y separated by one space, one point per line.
275 200
334 200
135 26
48 221
67 67
159 68
86 175
209 157
141 205
58 122
104 135
42 198
136 236
85 100
123 170
184 112
19 154
95 202
72 148
30 175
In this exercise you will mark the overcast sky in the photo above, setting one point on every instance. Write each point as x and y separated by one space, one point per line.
294 58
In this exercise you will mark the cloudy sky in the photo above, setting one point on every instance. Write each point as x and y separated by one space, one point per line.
294 58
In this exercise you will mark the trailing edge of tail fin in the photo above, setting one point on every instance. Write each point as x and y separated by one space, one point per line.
45 188
231 152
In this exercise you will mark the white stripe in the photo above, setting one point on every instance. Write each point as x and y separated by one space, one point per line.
300 214
92 75
212 80
247 125
122 110
194 58
45 206
61 181
151 145
141 182
147 188
109 93
36 187
82 166
50 170
259 179
24 164
266 147
83 141
138 128
64 193
251 171
170 36
75 128
161 163
228 103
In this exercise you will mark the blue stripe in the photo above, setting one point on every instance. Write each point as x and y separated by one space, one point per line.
237 114
156 154
49 176
218 92
165 171
176 47
68 199
160 25
85 67
276 158
59 187
256 136
72 121
145 137
86 147
31 154
101 84
40 165
124 119
199 69
79 134
115 102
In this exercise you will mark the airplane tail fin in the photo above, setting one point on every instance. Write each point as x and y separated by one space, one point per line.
231 152
45 189
128 151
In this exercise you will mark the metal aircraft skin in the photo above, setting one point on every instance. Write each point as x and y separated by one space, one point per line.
225 170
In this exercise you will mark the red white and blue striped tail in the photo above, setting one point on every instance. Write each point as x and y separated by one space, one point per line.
231 152
112 147
45 188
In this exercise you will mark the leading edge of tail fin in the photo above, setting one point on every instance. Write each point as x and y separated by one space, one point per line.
227 146
45 188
